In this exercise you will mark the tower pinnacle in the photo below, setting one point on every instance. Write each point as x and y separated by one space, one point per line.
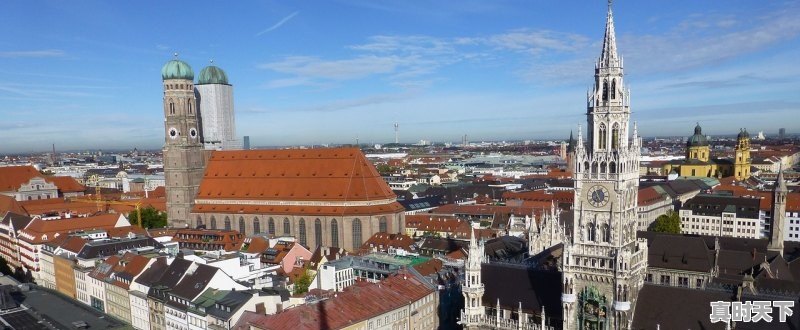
609 57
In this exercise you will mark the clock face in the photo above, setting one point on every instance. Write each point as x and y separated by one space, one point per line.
598 196
173 133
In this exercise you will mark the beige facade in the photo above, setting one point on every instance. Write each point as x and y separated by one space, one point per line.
65 275
118 302
725 224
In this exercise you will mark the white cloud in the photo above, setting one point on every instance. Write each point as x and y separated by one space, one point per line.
32 53
279 23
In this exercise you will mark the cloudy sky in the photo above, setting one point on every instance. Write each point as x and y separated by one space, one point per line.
87 74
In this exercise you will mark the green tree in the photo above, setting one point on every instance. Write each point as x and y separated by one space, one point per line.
667 223
151 218
302 283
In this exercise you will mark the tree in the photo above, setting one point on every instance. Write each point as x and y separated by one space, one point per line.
667 223
151 218
302 283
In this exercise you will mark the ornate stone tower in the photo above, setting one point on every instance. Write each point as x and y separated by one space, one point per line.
604 265
777 229
741 162
473 288
183 157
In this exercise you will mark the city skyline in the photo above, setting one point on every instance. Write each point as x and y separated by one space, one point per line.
507 70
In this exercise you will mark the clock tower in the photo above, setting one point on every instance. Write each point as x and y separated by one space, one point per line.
604 264
183 154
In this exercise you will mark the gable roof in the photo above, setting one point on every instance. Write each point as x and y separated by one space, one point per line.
9 204
336 174
12 177
38 227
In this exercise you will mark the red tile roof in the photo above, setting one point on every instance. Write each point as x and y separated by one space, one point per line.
9 204
11 177
355 304
649 196
38 227
299 210
382 242
541 195
428 222
339 174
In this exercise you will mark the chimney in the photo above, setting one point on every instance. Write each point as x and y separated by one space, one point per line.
260 309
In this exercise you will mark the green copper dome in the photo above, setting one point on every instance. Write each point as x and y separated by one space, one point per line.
212 75
177 69
698 139
743 134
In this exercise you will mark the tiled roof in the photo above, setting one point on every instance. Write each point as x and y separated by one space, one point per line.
58 205
355 304
650 195
427 222
257 245
385 240
74 244
11 177
39 227
298 210
66 184
9 204
338 174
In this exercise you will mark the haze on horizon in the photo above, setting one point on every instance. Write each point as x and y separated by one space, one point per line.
87 75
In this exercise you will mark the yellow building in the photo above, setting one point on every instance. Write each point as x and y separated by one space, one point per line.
698 161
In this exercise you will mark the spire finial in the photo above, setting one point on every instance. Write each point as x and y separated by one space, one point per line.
211 61
175 54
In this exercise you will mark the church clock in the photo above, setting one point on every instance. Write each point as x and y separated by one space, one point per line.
598 196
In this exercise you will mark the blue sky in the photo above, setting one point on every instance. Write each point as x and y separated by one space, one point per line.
87 74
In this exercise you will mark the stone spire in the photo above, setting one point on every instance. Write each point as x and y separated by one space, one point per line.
609 57
778 214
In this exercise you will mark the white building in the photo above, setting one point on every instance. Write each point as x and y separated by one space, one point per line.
722 216
215 102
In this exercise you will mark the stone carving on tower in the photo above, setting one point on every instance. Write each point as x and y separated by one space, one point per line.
546 233
183 156
778 227
604 264
473 313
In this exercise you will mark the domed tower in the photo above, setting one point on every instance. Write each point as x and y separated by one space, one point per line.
215 98
697 147
741 161
183 158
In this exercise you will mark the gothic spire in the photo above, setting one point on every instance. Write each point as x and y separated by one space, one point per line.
780 183
609 58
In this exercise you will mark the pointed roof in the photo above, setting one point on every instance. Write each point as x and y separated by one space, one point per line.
780 183
609 57
570 143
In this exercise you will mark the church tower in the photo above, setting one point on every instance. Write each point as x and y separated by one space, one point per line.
603 267
777 230
741 162
183 157
473 312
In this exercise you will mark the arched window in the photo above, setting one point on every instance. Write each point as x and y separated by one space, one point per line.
605 90
382 225
586 167
592 232
603 167
287 226
171 107
271 226
356 234
199 222
334 233
613 88
615 136
605 233
241 225
301 231
318 232
256 226
189 103
213 222
612 167
227 223
602 136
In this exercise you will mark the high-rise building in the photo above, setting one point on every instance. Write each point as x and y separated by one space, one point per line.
246 142
782 133
604 264
215 103
183 156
